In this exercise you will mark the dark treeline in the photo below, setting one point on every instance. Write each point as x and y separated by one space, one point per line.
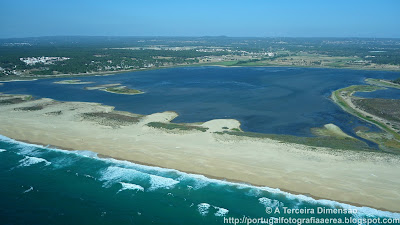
88 54
90 59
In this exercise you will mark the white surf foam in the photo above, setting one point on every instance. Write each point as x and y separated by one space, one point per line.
88 154
24 148
2 150
220 211
7 139
255 192
143 168
204 181
63 161
114 174
28 150
269 202
362 211
32 149
197 181
203 208
29 160
88 176
29 190
161 182
129 186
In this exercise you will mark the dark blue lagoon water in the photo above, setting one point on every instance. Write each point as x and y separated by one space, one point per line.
263 99
50 186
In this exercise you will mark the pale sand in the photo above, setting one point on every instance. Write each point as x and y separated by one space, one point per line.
72 82
332 130
361 178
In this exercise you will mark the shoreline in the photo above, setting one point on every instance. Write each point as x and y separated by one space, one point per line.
238 182
343 98
360 178
112 73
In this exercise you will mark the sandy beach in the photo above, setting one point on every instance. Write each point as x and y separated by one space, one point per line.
355 177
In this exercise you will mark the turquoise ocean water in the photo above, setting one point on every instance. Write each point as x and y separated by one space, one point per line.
41 185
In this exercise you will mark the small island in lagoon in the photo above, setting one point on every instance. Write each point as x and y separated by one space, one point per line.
122 90
72 82
112 88
116 89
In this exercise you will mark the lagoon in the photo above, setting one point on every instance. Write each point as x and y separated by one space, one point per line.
274 100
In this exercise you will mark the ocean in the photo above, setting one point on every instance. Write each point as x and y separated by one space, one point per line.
41 185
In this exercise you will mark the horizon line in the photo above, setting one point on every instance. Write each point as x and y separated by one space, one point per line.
204 36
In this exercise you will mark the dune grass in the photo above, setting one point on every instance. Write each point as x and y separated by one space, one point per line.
176 126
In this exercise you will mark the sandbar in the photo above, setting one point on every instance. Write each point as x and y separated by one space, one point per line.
357 177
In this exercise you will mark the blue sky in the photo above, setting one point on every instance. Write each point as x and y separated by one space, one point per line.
244 18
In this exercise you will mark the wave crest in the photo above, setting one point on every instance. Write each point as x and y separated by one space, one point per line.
129 186
30 160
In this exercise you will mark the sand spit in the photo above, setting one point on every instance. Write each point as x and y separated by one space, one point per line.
103 86
72 82
115 88
362 178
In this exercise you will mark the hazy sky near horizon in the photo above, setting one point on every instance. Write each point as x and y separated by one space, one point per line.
262 18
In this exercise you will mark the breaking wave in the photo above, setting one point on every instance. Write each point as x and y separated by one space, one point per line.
129 186
124 173
29 160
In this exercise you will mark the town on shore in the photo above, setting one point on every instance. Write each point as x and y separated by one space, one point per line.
27 58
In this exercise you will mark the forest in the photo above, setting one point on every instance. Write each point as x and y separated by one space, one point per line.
97 54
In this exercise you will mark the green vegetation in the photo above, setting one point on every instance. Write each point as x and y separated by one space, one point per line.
348 92
10 101
116 89
30 108
103 86
388 140
55 113
122 90
296 59
225 63
330 130
383 83
72 82
176 126
322 141
14 99
397 81
105 55
385 141
113 119
332 138
388 109
360 88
